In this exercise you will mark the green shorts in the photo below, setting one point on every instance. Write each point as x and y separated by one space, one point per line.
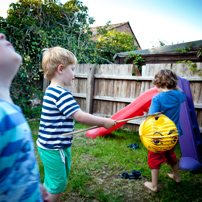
55 169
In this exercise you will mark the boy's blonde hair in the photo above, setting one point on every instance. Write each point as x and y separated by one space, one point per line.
53 57
166 78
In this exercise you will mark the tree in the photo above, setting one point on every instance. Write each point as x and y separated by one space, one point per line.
111 42
32 25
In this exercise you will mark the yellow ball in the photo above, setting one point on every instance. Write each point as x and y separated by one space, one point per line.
158 133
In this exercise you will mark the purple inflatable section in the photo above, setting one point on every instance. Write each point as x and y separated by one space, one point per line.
190 141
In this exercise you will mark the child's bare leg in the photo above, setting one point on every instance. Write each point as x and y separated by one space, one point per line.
55 197
153 186
175 175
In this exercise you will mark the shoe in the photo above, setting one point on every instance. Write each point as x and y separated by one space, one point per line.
125 175
133 146
136 174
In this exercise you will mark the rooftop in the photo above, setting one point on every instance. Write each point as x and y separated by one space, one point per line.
162 49
113 26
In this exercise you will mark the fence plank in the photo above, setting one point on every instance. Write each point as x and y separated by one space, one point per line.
90 88
152 69
46 82
183 70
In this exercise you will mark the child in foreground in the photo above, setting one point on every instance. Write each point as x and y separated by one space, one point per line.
19 175
59 111
169 101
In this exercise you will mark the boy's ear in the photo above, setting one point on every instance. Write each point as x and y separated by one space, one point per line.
59 69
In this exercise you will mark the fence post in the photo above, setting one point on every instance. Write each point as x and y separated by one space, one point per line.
46 82
90 89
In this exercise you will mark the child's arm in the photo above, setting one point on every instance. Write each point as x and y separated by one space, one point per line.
91 120
155 106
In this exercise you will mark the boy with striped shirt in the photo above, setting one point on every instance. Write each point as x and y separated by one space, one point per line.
59 111
19 175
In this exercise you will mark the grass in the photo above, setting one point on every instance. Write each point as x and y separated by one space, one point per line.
98 163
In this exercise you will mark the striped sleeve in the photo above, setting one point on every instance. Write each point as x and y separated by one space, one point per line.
10 143
67 104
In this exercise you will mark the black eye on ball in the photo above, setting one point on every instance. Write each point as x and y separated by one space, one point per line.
158 133
172 131
156 141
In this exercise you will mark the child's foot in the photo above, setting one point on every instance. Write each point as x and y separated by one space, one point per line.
174 178
149 186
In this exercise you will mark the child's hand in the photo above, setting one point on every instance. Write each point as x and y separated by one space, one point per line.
109 123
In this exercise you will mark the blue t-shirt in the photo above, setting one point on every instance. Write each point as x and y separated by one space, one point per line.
58 106
19 175
170 103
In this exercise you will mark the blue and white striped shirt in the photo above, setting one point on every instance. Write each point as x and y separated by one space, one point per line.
19 175
58 106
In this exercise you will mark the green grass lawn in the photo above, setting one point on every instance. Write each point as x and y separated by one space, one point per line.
98 163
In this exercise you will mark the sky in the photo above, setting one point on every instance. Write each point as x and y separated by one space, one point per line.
170 21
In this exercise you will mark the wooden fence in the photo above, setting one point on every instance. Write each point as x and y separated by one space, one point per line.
103 90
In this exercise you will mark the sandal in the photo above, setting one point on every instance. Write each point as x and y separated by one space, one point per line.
133 146
136 174
125 175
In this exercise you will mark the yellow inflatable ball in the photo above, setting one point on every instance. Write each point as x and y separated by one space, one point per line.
158 133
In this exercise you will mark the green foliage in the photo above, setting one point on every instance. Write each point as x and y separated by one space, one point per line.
32 25
33 112
161 43
185 49
111 41
199 51
138 59
115 42
193 66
